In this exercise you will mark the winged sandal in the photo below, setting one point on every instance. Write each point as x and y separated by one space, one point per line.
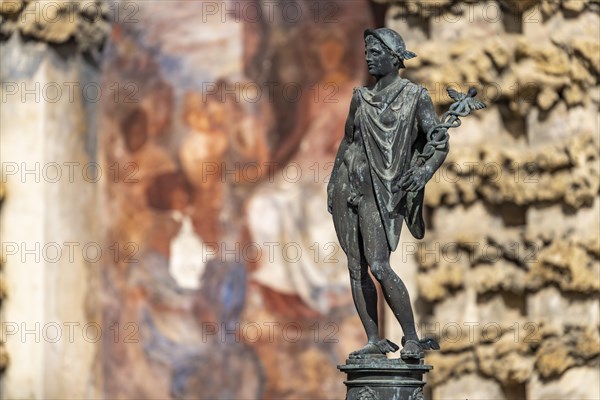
415 349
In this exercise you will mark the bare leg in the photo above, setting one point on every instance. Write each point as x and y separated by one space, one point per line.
397 297
377 253
365 300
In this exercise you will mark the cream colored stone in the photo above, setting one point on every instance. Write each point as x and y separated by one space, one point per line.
554 127
548 222
475 21
461 309
543 152
574 5
470 386
497 312
500 51
549 7
548 59
505 361
10 6
577 383
547 98
449 366
448 221
53 22
573 95
566 265
588 344
580 73
553 359
431 54
440 282
499 276
413 35
591 244
595 94
548 308
519 174
589 49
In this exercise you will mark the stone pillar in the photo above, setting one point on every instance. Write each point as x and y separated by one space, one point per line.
384 379
49 224
49 230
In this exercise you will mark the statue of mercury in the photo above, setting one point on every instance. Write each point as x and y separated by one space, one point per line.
393 144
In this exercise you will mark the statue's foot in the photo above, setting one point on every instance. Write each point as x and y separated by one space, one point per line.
412 350
375 349
369 350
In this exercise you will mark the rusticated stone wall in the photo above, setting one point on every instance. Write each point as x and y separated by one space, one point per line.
3 352
509 271
84 23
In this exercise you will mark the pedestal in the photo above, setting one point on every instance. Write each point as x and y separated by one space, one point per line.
384 379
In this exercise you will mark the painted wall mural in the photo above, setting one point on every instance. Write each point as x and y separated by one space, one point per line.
228 260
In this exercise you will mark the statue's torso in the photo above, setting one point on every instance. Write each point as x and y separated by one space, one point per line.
379 150
355 159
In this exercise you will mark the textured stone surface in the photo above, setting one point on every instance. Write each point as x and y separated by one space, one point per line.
440 283
508 361
86 22
4 359
471 385
576 383
509 271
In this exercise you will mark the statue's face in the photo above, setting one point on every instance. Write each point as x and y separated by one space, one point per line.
379 61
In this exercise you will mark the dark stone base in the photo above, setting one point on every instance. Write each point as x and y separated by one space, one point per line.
383 379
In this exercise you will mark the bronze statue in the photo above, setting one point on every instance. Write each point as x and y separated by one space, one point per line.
393 144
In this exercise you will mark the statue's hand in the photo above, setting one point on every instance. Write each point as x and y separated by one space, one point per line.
414 179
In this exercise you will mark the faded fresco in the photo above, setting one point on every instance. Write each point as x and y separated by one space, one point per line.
236 123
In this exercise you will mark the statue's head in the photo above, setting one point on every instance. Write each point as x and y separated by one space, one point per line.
385 51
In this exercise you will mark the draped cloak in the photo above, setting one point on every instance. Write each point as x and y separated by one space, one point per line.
386 121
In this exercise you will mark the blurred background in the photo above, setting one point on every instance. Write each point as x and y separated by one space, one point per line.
164 223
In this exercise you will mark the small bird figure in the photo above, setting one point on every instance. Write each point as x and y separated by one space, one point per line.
465 102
